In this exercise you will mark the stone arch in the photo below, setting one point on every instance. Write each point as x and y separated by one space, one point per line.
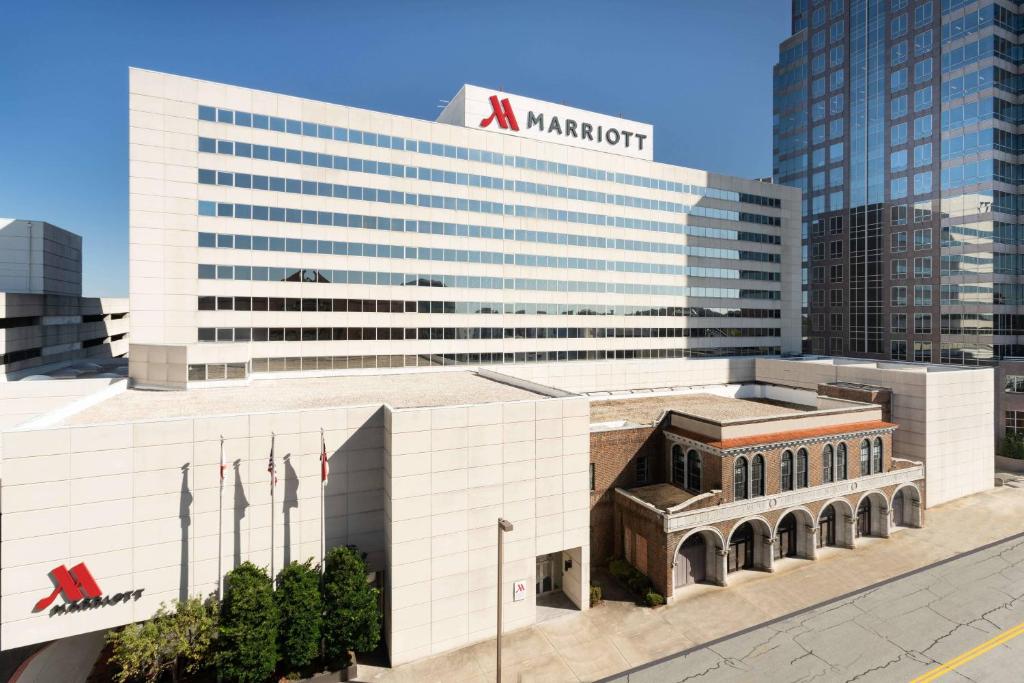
905 506
761 538
842 528
872 514
803 541
683 565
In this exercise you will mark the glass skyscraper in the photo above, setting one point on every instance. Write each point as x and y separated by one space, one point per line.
901 122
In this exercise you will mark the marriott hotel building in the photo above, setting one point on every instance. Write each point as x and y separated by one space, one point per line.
274 234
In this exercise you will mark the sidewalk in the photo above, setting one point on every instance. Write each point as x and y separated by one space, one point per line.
618 635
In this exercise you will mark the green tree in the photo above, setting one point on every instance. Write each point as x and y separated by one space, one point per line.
351 618
299 606
169 642
247 642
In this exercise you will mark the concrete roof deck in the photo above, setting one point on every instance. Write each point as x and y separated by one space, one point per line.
648 409
661 496
399 390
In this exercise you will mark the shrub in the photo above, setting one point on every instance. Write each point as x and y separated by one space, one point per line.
1012 446
633 579
595 594
653 599
351 618
620 569
168 642
300 610
247 644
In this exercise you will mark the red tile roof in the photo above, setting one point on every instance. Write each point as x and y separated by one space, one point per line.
777 437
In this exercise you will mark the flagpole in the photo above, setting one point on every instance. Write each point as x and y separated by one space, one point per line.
220 526
323 487
272 477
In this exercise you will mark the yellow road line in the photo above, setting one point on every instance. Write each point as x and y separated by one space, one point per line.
974 653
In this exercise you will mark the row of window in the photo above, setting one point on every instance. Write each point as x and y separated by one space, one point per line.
374 194
897 349
325 132
294 334
394 251
350 220
23 354
22 321
262 303
686 470
307 363
396 170
749 477
898 323
357 277
309 217
258 243
986 324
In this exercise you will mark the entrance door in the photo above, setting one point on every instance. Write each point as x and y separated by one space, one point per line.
549 575
864 518
827 527
786 544
741 548
897 509
692 561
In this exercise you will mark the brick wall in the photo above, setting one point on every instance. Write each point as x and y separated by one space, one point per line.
613 454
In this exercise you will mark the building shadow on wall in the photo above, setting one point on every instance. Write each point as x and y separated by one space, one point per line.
185 517
241 503
290 502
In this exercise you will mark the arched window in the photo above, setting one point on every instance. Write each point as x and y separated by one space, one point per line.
693 471
739 479
841 462
865 457
678 466
801 468
876 456
757 476
787 471
826 464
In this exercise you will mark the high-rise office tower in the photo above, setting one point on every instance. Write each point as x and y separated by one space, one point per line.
899 120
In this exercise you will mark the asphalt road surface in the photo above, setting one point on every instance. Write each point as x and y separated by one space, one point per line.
958 620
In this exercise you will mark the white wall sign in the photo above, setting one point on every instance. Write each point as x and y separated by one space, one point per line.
500 112
518 590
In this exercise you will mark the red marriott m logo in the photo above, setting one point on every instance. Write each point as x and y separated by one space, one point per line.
502 111
75 584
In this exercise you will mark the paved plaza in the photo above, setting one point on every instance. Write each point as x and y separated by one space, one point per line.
906 626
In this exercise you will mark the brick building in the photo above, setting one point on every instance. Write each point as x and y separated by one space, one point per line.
690 488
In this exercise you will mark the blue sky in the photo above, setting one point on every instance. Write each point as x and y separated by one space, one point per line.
699 70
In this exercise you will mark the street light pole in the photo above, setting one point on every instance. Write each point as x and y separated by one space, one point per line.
503 526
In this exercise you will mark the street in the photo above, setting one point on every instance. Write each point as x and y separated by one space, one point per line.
959 619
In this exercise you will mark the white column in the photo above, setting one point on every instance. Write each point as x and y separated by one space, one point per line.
723 566
811 539
768 552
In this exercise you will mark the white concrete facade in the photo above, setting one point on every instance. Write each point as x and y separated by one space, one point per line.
679 262
945 414
450 473
420 490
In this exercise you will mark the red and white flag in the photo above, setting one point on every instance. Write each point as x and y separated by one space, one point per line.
223 465
270 467
323 459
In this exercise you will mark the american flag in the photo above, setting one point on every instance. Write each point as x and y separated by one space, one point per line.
270 467
323 458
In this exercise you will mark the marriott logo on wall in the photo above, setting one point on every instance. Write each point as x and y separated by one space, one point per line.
502 113
80 591
552 124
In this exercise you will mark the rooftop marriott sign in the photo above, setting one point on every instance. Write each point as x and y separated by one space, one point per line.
475 107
